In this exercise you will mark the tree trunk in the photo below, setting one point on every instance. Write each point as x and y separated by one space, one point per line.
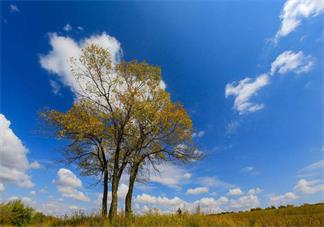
105 195
114 198
128 199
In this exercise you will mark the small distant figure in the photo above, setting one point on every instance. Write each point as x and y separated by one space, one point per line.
179 211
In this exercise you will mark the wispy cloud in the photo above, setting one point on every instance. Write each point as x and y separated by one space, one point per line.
198 134
67 28
290 61
198 190
14 8
250 170
294 12
314 169
247 88
231 127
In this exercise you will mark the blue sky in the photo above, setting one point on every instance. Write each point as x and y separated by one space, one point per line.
250 74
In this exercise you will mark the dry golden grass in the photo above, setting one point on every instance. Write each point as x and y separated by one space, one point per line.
306 215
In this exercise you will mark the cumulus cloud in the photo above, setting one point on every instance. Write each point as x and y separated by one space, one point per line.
122 192
169 174
13 162
309 186
67 184
294 12
165 204
35 165
159 201
57 61
290 61
235 191
2 187
245 202
283 199
198 190
210 205
244 90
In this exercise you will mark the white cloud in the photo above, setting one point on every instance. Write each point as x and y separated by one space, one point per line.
67 184
283 199
164 204
198 190
309 186
122 192
313 169
67 27
80 28
72 193
43 190
231 127
294 12
160 200
169 174
2 187
245 202
13 161
68 178
34 165
57 61
244 90
210 205
254 191
187 175
198 134
248 169
235 191
32 192
55 87
289 61
213 182
14 8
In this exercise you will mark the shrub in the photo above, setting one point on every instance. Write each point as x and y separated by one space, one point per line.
15 213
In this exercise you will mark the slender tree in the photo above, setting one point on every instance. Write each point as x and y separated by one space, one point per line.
83 126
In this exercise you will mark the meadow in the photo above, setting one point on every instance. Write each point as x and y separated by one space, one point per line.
15 213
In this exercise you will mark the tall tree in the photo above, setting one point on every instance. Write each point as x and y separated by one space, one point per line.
116 90
162 132
83 126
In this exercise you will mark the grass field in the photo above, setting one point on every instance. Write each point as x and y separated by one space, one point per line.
17 214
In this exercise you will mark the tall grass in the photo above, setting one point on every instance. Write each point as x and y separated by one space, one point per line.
17 214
